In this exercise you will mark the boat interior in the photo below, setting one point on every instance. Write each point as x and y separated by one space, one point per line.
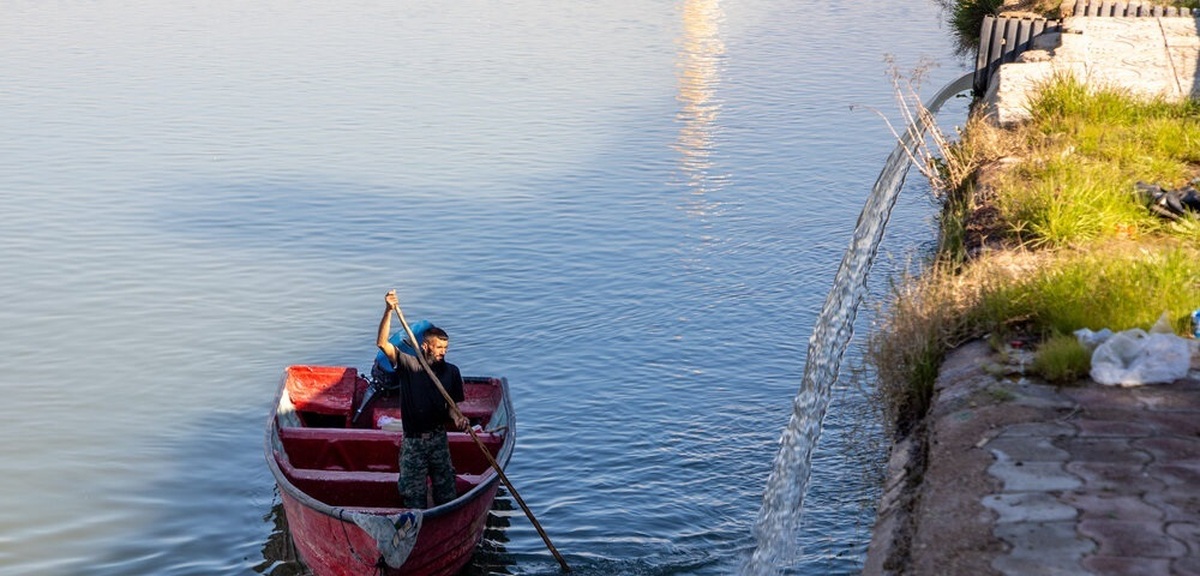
350 458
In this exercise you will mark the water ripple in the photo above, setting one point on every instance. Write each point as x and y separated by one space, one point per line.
632 211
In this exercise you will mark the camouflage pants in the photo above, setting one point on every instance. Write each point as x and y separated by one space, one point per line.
421 457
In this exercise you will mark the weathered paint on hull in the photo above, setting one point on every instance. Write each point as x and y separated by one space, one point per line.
333 547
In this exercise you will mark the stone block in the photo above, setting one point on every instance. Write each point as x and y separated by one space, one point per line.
1029 507
1131 539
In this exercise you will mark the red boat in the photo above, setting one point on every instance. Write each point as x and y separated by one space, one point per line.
333 444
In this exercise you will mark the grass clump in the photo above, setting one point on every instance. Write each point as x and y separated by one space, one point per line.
1116 286
1062 360
1085 151
1026 293
926 320
1001 395
966 16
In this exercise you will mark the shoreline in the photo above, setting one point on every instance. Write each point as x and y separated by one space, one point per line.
1006 474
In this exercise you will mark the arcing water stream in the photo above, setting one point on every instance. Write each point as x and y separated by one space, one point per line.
783 500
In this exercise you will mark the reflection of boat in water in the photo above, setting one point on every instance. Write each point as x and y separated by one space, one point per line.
279 555
337 473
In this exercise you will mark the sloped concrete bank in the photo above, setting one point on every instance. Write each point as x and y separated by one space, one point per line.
1008 475
1012 476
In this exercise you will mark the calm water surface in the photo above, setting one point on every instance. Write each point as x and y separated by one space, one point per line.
632 210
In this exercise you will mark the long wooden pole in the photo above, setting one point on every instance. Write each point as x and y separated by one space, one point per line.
487 453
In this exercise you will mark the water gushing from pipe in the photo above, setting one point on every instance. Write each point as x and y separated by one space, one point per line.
783 501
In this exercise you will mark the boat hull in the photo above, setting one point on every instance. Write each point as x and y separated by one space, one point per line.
337 471
335 547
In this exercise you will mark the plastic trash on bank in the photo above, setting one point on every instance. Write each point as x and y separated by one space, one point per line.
1135 357
1091 340
1172 204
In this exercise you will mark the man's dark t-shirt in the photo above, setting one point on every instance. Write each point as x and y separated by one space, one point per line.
422 407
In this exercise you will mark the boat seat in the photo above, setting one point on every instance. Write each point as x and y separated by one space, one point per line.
322 389
363 489
367 450
475 408
344 449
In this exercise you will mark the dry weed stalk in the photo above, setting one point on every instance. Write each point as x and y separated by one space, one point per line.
947 166
929 314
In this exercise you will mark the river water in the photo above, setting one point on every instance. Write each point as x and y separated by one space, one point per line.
632 210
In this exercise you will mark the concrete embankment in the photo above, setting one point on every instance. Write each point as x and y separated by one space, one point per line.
1008 475
1012 476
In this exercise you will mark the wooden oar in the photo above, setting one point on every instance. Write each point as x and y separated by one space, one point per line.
495 465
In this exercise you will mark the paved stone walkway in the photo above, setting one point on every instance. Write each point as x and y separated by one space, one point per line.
1016 477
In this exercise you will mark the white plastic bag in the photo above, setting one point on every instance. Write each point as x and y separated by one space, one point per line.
1135 357
1091 340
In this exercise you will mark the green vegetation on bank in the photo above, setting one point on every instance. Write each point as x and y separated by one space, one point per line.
1062 360
966 17
1044 234
1077 162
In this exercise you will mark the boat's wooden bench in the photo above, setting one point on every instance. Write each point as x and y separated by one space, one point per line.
364 489
366 450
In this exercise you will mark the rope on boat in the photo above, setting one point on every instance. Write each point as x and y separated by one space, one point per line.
346 535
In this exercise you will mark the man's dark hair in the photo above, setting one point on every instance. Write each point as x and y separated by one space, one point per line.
435 332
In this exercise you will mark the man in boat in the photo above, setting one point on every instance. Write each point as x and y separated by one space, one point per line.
424 413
